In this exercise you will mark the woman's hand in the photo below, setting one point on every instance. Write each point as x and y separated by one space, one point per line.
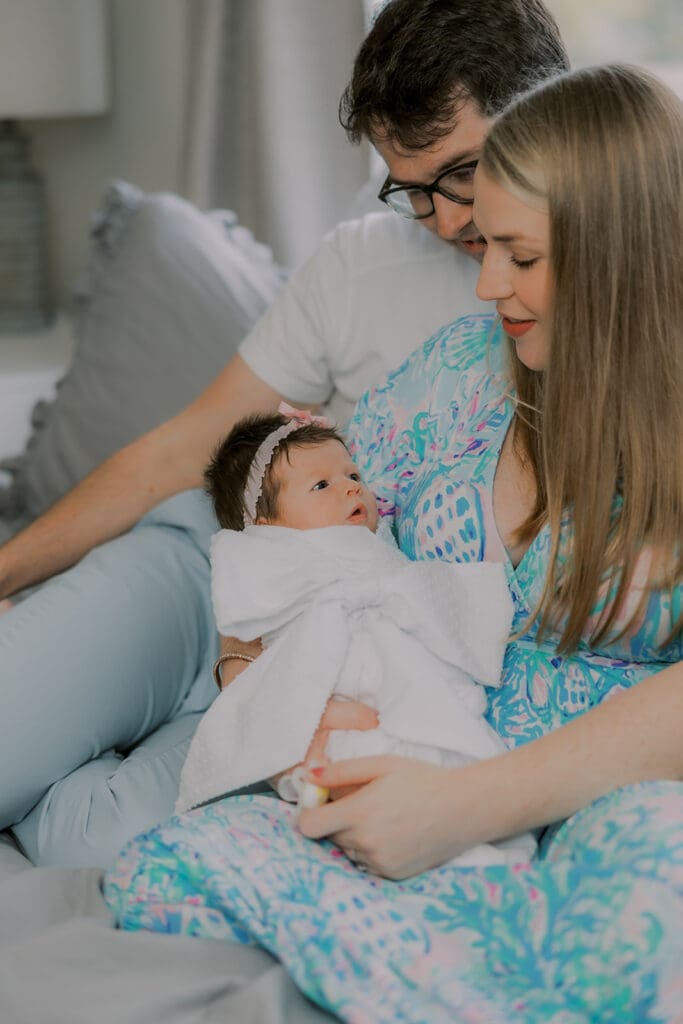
406 816
409 816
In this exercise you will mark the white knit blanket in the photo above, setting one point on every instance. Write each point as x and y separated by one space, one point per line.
344 612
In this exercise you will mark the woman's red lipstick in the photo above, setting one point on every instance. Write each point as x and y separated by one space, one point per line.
516 328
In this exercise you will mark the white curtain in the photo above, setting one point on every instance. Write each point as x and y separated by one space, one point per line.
262 136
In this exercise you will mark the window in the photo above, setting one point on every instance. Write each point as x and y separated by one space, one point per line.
644 32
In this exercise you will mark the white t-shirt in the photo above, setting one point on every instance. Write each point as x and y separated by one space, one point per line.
376 289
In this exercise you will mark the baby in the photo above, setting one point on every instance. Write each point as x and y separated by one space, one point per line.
341 612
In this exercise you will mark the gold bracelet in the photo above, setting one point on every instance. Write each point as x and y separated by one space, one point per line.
228 656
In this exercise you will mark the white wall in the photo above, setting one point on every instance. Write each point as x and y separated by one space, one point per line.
138 140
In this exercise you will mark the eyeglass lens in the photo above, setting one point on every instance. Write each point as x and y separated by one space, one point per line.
455 184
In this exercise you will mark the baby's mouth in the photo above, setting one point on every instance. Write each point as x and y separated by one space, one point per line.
359 514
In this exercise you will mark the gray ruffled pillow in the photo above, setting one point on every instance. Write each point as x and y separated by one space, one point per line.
168 294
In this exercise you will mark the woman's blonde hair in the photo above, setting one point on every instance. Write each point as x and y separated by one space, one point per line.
602 427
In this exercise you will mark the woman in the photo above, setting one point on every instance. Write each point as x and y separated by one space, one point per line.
615 367
559 453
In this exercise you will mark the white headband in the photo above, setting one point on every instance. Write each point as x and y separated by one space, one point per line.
297 418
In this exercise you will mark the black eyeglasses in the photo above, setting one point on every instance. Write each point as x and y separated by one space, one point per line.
417 201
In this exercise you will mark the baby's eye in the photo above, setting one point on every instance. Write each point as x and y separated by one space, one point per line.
355 477
320 486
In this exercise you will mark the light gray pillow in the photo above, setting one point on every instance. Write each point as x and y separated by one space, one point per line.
168 294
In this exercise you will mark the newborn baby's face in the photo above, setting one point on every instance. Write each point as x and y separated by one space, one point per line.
320 486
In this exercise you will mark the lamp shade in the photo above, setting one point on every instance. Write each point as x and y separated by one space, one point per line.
54 60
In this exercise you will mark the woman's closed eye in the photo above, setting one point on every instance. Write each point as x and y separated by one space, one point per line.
524 264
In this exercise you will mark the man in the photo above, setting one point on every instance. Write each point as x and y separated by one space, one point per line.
425 85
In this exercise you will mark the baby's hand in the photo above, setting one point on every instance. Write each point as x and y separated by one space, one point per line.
338 714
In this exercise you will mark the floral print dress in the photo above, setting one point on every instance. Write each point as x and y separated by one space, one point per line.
592 928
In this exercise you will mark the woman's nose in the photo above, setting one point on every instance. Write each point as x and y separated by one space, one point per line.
493 281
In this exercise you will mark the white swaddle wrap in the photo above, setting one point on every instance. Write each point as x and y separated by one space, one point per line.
344 612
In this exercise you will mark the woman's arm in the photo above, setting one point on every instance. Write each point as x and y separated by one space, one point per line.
114 496
411 816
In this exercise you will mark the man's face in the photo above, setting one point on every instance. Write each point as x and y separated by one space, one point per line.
450 221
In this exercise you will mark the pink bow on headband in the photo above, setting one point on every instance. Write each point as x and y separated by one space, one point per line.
297 418
302 415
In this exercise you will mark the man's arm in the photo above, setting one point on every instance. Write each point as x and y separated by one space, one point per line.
114 496
293 344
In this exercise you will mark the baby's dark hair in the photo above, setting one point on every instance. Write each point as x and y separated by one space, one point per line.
226 476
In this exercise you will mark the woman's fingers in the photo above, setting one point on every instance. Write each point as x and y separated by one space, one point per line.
354 772
341 791
340 814
332 817
316 748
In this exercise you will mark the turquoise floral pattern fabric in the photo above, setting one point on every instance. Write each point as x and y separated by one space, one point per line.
590 930
428 443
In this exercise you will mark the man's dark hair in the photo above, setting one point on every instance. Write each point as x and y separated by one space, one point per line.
423 59
226 476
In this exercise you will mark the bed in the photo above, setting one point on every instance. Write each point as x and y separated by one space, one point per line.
62 961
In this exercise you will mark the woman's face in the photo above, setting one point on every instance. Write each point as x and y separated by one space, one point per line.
515 271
